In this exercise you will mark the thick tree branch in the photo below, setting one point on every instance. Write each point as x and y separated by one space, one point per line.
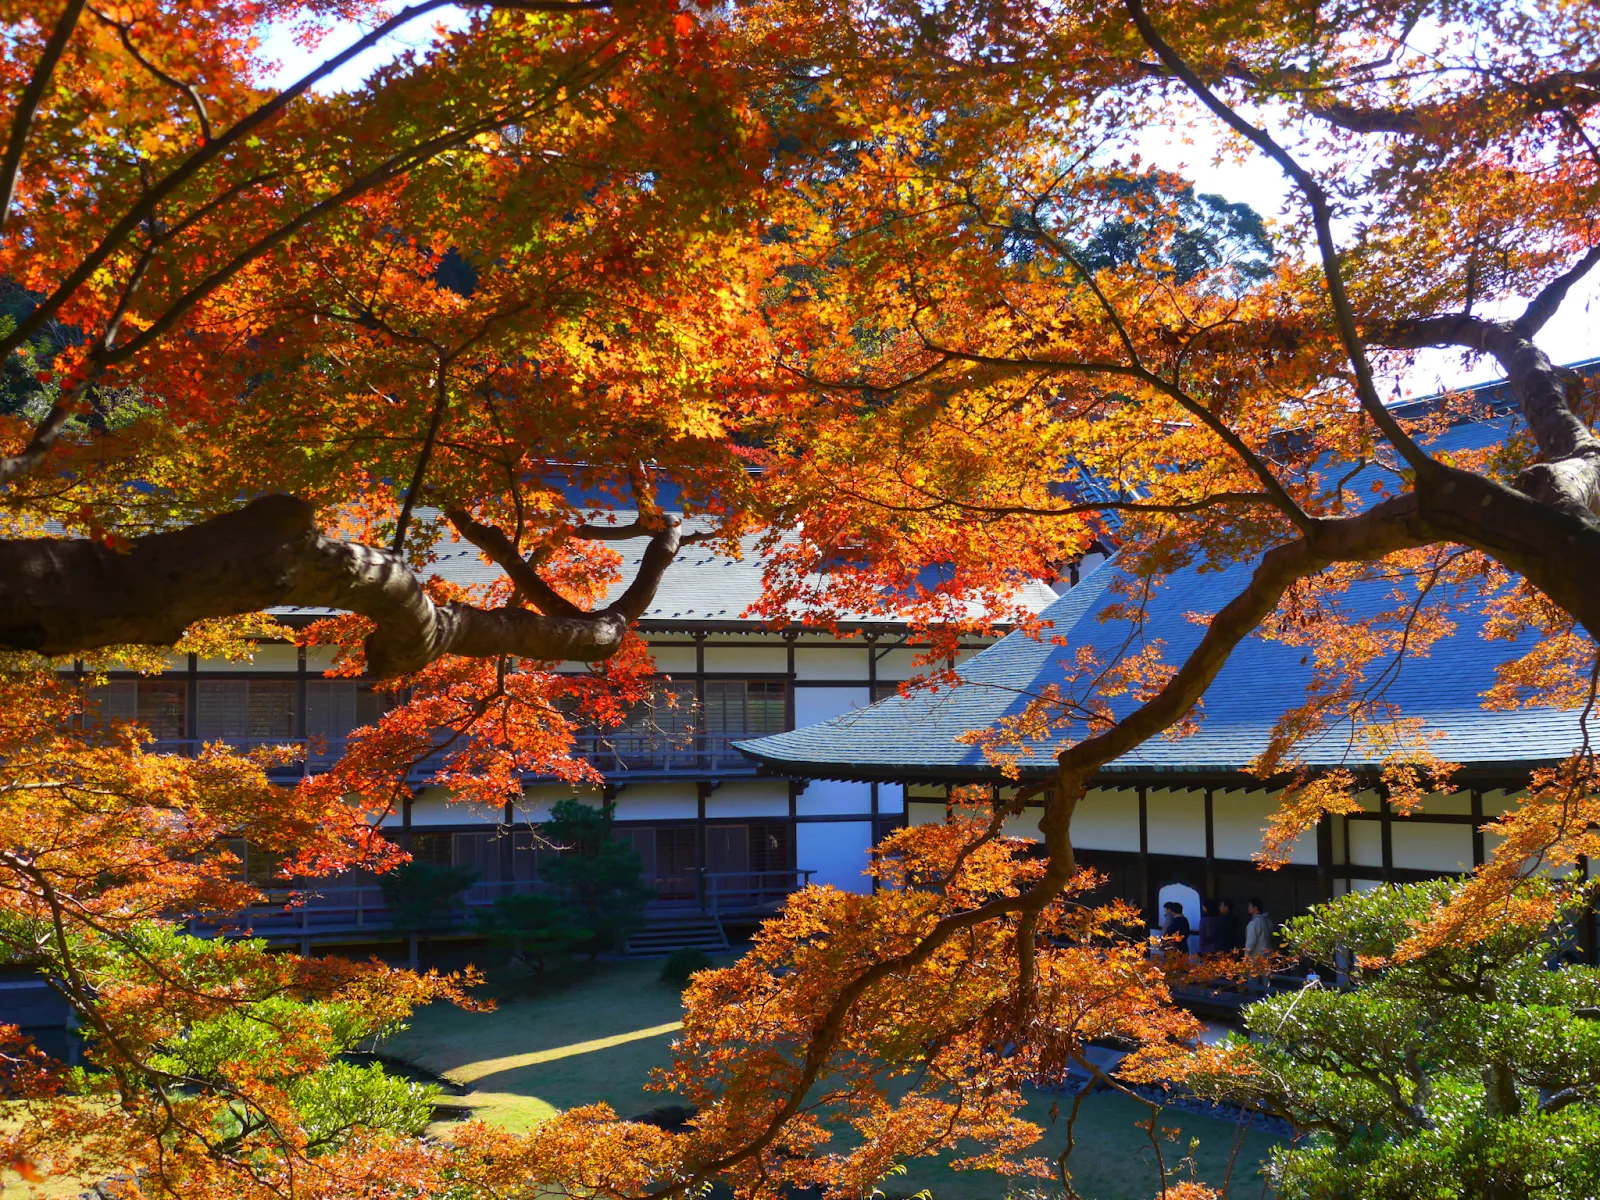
61 595
28 105
1387 527
1551 93
1544 305
1568 479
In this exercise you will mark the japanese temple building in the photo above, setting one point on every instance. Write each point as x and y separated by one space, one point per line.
1180 818
790 752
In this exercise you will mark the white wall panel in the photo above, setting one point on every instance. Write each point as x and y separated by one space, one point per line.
1025 825
1429 847
826 797
538 800
837 851
674 660
1107 819
658 802
920 812
899 664
891 798
1238 820
755 798
1500 801
433 806
1452 804
1176 822
319 659
268 657
755 659
1366 844
830 662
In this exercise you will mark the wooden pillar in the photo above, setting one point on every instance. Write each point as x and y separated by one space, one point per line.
1146 900
1385 817
191 701
702 789
789 685
508 864
1325 858
701 745
1477 828
1211 848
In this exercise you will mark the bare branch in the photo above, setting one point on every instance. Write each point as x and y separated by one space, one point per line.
187 90
1322 218
441 402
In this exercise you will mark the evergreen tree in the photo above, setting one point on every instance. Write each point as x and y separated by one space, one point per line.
1468 1071
598 878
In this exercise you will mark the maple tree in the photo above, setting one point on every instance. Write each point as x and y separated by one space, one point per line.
905 259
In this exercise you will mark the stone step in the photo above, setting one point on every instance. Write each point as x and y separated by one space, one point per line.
660 936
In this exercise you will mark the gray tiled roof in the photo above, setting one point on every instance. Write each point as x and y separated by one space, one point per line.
703 585
914 737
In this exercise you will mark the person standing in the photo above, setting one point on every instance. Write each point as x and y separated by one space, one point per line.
1174 928
1258 942
1229 936
1210 928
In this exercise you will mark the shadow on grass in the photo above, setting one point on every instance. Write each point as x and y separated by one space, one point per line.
597 1035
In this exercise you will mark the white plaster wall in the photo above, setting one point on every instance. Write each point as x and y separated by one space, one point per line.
1454 804
1107 819
898 664
1366 844
756 658
1176 822
1500 801
813 704
837 851
830 662
537 801
319 659
659 802
920 812
1365 885
433 806
1025 825
674 660
753 798
891 798
825 797
1431 847
267 657
1238 819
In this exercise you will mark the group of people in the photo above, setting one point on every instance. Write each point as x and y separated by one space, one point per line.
1220 930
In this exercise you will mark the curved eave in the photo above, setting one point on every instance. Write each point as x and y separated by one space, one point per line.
1113 774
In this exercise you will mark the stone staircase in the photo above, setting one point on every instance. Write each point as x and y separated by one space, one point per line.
664 933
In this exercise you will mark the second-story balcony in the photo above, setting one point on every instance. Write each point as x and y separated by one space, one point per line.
611 753
680 734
